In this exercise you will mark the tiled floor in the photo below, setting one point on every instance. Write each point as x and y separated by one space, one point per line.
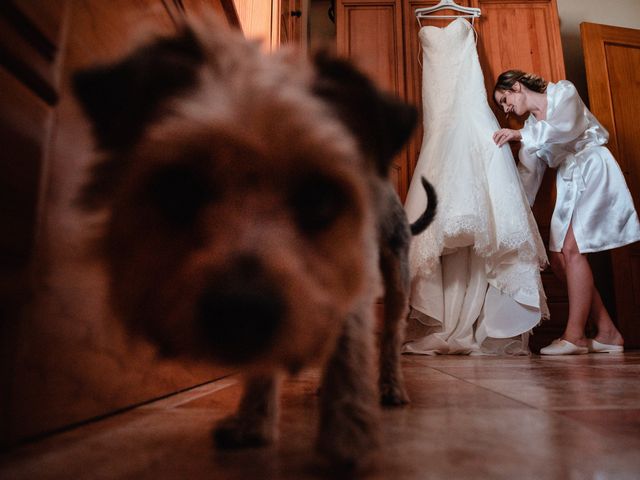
470 417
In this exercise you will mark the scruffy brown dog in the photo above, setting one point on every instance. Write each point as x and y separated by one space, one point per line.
249 220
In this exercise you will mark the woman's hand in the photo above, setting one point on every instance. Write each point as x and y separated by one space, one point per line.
505 135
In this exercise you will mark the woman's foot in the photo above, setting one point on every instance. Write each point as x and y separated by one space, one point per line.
610 338
597 347
575 340
607 341
564 347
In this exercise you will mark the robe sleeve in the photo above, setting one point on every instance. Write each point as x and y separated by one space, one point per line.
566 121
531 170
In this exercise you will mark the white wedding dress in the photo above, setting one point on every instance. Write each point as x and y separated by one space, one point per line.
476 286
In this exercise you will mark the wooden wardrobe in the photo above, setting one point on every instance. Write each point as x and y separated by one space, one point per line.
381 36
64 358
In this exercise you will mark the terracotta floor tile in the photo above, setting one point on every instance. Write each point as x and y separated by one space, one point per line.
608 422
593 359
565 392
540 373
470 417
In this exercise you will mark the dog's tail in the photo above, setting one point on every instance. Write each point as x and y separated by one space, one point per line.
421 224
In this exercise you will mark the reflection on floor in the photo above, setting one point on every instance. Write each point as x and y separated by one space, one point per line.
471 417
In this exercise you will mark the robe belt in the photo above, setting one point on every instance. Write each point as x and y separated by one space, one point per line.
571 171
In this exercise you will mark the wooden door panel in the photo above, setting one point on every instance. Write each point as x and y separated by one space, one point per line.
286 23
517 34
370 33
612 61
46 17
24 121
293 18
28 45
624 62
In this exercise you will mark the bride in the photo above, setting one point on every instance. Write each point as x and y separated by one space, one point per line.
476 286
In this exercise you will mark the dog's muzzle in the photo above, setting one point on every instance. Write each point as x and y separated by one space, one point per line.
240 312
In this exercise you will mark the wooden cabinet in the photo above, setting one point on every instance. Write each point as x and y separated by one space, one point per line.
64 358
382 37
29 53
29 47
371 33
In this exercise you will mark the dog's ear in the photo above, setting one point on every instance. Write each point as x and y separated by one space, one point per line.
121 98
381 123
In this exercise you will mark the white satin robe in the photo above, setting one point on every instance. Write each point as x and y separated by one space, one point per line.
592 194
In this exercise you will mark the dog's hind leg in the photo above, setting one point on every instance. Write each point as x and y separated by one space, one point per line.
395 271
349 410
255 422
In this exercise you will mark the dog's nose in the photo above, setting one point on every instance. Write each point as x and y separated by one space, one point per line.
239 314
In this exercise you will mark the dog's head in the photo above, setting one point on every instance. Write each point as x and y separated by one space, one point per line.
239 222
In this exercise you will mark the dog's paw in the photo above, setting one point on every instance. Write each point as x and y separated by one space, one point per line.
236 432
393 395
353 450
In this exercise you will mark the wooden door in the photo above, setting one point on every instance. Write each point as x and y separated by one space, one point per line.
370 33
612 61
293 22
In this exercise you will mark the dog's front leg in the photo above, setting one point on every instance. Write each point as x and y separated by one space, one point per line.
255 422
395 270
349 416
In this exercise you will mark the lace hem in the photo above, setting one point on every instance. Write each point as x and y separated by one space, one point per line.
513 269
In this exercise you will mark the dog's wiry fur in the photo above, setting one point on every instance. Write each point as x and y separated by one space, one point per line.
250 221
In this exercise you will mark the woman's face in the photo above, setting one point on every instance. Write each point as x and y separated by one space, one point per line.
511 101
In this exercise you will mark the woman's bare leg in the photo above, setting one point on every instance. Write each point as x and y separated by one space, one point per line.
607 331
580 288
557 265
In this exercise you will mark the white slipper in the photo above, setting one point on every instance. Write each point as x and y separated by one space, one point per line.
597 347
562 347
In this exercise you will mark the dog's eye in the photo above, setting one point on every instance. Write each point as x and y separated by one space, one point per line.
317 203
178 193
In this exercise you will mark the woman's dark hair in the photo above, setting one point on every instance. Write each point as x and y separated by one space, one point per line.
507 79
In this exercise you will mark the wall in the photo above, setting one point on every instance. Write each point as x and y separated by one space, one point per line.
620 13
